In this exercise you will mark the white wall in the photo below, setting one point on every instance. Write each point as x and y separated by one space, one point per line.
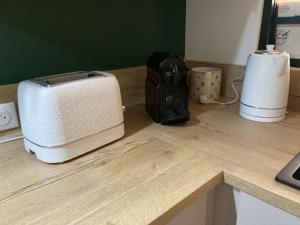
222 31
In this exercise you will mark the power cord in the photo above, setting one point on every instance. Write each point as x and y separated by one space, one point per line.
203 99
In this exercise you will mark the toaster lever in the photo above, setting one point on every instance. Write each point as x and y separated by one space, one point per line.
124 108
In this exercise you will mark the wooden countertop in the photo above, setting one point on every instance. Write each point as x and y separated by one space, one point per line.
153 172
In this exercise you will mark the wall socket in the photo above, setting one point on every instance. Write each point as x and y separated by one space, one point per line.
8 116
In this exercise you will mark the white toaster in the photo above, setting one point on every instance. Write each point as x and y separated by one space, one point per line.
66 115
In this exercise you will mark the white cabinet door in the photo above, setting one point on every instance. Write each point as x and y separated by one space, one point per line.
195 214
253 211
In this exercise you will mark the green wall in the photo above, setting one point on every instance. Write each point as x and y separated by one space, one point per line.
42 37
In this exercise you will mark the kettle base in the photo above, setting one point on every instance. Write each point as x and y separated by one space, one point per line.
261 119
262 114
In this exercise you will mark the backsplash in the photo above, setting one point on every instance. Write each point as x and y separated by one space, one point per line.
231 71
8 93
294 98
132 83
228 72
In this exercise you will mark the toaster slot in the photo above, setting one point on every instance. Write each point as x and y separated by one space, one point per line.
53 80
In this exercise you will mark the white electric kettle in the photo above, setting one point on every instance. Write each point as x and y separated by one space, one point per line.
266 86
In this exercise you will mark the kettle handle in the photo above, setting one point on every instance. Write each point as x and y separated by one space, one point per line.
280 63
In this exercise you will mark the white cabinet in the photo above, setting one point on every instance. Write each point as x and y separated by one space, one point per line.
253 211
194 214
227 206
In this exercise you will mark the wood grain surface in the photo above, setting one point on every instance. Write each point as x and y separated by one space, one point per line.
154 172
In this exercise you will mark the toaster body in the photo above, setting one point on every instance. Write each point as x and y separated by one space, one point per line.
64 116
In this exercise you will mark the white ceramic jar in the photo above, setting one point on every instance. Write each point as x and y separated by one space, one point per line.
205 83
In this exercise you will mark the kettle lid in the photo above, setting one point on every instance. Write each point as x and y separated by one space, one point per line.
266 52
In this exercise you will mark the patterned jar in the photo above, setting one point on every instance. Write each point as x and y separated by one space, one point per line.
205 83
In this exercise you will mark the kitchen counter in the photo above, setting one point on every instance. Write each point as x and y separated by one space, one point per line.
152 173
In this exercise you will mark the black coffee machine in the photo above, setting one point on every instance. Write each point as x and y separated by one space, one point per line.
166 95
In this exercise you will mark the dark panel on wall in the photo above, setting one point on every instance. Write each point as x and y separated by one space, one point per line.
47 37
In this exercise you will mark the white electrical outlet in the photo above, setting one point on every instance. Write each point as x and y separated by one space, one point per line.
8 116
